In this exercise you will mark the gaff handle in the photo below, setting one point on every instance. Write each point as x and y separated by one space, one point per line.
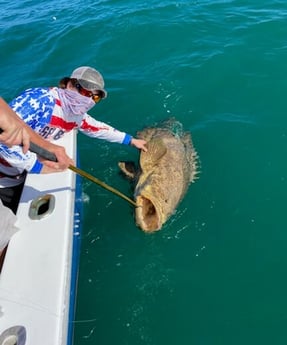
42 152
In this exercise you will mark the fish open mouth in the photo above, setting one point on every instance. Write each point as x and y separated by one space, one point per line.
147 217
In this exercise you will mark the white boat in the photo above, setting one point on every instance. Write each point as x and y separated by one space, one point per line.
39 275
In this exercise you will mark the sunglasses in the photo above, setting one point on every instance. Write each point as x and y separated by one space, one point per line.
96 97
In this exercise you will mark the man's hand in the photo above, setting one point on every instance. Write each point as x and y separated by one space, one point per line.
139 144
63 159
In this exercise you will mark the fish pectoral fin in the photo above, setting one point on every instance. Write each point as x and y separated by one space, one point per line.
128 168
156 149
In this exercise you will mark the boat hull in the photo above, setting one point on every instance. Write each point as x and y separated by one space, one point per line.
39 274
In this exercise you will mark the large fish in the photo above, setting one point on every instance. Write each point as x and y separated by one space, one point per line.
164 173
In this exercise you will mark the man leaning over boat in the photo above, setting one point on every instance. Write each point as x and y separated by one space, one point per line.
52 112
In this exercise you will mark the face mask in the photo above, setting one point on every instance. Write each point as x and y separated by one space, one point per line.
74 103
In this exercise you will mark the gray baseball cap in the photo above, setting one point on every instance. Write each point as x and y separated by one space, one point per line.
90 79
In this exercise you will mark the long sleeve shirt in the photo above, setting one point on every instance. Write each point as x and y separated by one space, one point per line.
41 109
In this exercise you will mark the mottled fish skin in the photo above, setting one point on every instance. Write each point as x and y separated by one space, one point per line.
165 172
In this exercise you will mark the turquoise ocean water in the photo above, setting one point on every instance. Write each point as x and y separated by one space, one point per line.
216 273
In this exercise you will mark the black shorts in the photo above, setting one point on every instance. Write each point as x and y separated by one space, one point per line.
10 196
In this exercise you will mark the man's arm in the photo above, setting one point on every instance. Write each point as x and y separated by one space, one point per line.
13 129
16 132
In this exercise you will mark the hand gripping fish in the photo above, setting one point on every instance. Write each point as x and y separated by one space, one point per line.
164 173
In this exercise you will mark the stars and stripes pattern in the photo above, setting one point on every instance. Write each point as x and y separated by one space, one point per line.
41 109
